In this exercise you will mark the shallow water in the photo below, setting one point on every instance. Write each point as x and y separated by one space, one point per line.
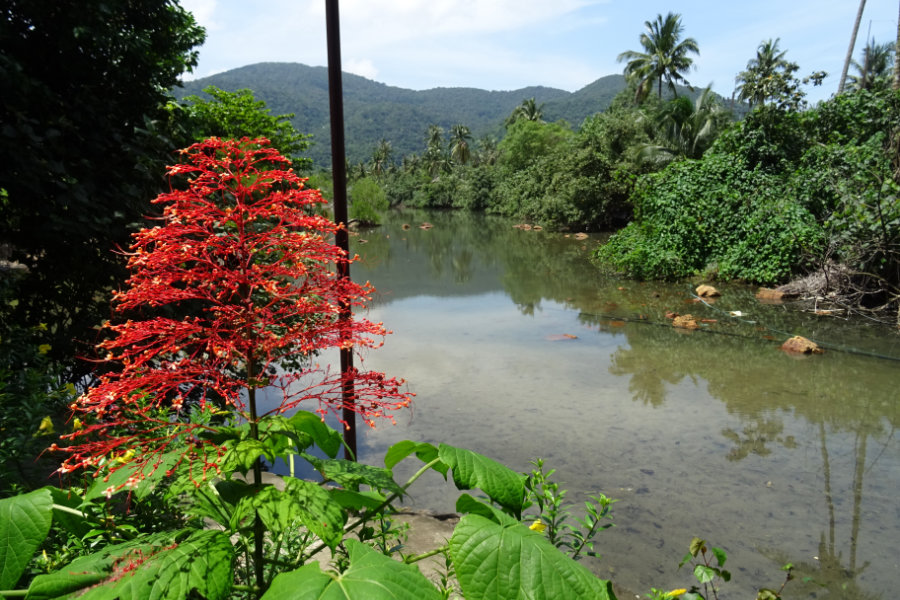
517 348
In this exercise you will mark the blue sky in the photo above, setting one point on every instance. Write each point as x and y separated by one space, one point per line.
510 44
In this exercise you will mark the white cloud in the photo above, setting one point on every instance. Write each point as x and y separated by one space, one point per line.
364 67
203 11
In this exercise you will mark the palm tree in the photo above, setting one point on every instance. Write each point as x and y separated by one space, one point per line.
759 81
896 85
686 129
381 158
876 67
847 60
434 137
527 111
665 56
460 150
488 151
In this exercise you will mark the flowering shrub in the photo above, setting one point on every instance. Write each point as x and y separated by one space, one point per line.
240 254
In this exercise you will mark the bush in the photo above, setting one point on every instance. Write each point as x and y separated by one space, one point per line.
367 201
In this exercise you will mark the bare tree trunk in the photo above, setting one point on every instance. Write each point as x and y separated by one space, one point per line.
859 14
897 86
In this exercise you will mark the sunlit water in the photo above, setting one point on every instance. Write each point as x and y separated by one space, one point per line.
517 348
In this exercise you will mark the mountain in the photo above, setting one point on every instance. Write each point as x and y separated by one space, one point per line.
373 110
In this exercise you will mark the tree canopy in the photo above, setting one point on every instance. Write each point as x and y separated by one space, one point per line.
665 55
85 85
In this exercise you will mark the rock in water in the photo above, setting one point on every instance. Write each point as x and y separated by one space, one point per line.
769 295
685 322
801 345
707 291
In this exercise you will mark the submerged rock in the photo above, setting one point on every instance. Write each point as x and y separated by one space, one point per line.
707 291
769 295
685 322
801 345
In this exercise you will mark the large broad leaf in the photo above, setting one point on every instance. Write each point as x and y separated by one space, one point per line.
424 452
319 433
472 470
24 523
511 562
352 474
321 514
466 504
151 568
370 576
74 524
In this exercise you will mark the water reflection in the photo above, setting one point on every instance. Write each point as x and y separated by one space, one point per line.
713 432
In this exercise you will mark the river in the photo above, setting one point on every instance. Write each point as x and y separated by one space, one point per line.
516 347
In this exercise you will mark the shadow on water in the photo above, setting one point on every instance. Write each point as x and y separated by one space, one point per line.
516 347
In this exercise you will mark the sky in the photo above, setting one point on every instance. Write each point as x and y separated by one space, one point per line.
512 44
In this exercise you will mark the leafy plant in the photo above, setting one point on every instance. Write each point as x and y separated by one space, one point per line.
241 256
554 516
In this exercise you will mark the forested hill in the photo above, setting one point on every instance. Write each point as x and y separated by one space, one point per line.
374 110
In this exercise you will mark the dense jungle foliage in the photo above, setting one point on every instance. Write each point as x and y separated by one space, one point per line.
786 191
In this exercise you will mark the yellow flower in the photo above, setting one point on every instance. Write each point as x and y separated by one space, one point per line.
77 424
676 593
44 348
125 457
537 526
46 427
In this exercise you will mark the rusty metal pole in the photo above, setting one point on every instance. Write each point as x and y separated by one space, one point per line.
339 178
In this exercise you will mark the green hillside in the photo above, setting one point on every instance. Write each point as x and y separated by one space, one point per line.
373 110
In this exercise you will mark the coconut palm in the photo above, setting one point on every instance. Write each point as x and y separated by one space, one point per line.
488 150
434 137
896 85
876 67
763 78
460 148
381 157
847 61
686 129
527 111
665 56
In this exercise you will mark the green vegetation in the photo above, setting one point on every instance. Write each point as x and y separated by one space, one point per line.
665 56
238 280
778 195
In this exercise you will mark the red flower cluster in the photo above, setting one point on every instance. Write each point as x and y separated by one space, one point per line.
242 252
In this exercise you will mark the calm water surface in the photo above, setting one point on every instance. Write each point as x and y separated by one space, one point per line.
517 348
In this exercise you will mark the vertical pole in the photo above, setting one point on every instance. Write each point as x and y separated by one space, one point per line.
339 178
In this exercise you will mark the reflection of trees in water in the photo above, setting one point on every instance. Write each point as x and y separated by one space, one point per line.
460 247
754 436
837 393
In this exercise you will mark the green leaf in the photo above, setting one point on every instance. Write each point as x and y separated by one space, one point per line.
697 545
704 574
765 594
321 514
466 504
352 474
24 523
148 476
153 567
472 470
357 500
424 451
370 576
77 526
319 433
500 562
242 456
720 555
